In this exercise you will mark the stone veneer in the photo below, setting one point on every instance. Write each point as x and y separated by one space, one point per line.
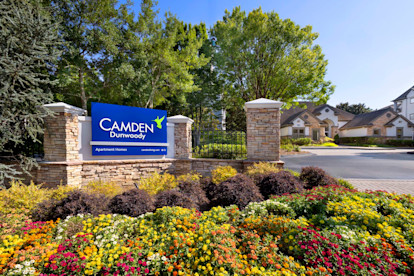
263 130
61 133
125 172
63 165
182 136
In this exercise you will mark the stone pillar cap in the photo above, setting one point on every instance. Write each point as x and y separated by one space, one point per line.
65 108
262 103
179 119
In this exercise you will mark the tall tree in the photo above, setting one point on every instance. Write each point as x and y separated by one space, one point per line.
202 102
161 67
263 56
95 34
28 51
354 108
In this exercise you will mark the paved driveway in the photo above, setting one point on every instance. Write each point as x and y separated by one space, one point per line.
366 168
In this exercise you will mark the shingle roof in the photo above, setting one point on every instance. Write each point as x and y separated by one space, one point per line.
404 95
367 118
342 114
288 115
390 123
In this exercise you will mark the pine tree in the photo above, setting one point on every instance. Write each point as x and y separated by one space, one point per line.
28 50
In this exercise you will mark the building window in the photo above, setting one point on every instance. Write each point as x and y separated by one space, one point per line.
306 116
377 132
298 133
412 116
327 110
412 100
400 132
388 115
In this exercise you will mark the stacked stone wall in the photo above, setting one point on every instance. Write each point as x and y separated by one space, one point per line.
263 134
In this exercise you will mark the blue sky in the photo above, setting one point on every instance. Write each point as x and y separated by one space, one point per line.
369 43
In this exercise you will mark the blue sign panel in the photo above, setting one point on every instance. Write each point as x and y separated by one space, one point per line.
126 130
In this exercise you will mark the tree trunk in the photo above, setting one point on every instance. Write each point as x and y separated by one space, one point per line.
84 100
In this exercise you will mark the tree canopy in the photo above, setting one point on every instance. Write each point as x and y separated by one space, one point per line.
354 108
263 56
113 56
28 52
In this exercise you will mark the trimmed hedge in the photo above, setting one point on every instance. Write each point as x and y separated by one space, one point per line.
279 183
314 176
239 190
173 198
77 202
401 143
132 203
221 151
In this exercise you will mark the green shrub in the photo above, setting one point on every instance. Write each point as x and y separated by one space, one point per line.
290 147
223 137
106 188
295 173
345 183
400 143
301 141
222 173
221 151
157 182
261 168
21 196
353 140
374 141
189 177
61 191
285 141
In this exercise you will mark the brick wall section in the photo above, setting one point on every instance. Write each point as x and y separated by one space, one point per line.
263 133
183 143
61 137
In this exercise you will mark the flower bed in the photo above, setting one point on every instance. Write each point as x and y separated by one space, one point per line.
328 230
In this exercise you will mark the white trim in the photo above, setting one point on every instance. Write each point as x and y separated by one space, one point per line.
85 119
177 119
143 144
263 103
66 108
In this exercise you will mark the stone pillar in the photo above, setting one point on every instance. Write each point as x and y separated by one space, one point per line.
61 133
182 136
263 130
61 146
182 143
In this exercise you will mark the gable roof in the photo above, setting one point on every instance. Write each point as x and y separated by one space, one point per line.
289 115
342 114
404 95
390 123
367 119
